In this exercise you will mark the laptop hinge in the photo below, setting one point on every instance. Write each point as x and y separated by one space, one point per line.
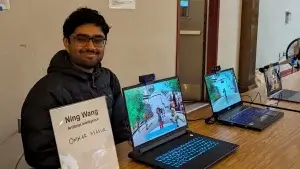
160 142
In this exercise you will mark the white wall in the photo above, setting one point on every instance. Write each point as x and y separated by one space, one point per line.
229 34
273 34
141 41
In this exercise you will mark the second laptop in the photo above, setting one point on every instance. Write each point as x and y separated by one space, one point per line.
227 105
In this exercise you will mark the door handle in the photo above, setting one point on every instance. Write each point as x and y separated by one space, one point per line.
190 32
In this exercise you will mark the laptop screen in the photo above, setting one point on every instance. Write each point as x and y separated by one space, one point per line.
272 78
154 109
222 89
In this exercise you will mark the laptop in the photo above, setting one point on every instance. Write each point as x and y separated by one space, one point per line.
158 123
227 105
274 85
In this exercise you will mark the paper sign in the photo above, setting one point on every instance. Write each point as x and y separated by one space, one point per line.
122 4
84 136
4 5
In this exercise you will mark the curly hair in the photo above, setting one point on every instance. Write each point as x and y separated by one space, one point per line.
84 16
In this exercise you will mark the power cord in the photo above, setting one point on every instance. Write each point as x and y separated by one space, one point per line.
210 120
252 100
196 119
8 137
5 140
19 160
275 104
258 94
248 97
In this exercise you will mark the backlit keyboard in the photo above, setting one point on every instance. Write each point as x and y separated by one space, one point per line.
186 152
247 116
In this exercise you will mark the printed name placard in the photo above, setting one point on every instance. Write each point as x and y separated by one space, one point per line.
84 136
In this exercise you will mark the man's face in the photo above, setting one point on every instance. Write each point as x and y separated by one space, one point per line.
86 46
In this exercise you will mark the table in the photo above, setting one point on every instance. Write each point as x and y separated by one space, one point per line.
278 146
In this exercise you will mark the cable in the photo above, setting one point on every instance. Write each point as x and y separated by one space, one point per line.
280 97
252 100
257 94
7 138
19 160
248 96
210 120
196 119
275 104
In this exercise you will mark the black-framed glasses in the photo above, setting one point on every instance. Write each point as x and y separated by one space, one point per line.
83 40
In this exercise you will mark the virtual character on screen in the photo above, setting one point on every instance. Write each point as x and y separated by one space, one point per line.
163 109
159 115
225 94
138 121
175 116
146 119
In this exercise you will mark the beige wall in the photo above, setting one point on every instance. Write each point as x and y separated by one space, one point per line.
31 32
274 35
229 34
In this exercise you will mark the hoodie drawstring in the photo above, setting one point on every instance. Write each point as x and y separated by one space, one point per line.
93 81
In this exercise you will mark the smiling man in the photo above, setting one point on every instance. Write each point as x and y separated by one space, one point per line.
74 74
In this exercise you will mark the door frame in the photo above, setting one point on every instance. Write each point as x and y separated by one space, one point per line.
210 32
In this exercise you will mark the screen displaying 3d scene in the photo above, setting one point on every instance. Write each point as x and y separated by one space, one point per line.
222 90
154 110
272 76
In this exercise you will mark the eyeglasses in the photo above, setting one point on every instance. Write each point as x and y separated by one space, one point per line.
83 40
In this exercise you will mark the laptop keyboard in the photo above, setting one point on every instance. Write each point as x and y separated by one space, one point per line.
247 116
186 152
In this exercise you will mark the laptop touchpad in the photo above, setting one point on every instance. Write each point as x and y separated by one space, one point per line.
264 117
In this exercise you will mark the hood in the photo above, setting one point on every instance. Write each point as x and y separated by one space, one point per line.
61 63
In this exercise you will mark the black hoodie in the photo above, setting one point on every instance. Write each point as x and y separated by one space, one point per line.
65 84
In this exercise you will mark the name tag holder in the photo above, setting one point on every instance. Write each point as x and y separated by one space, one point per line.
84 136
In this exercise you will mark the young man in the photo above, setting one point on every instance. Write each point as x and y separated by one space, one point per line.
74 74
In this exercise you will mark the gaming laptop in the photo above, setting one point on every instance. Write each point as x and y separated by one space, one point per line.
159 129
227 105
274 85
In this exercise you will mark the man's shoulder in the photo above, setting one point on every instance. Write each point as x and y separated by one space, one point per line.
44 86
47 82
108 71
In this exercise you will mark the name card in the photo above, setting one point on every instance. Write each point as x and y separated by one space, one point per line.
84 136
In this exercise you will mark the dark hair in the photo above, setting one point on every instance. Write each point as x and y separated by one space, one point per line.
84 16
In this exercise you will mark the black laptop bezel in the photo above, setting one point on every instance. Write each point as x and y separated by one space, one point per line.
269 93
238 104
160 138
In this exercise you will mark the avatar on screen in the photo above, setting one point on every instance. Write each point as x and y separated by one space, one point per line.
154 110
222 89
273 78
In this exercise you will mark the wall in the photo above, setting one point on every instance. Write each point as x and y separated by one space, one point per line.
141 41
229 34
273 34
